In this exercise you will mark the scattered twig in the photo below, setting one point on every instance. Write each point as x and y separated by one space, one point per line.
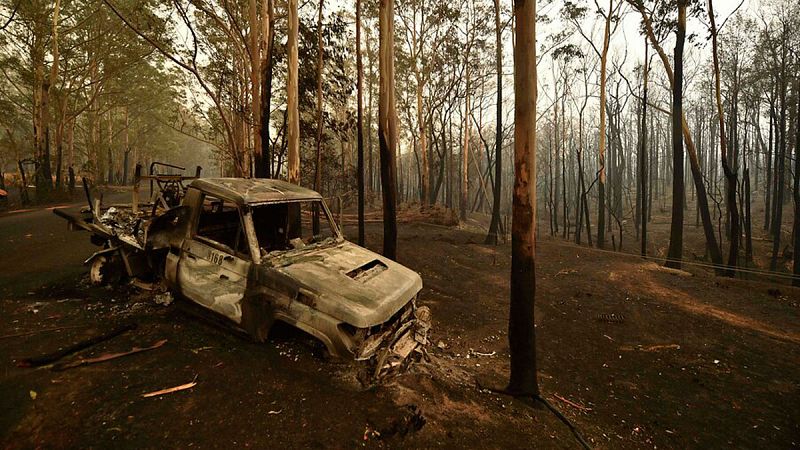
107 357
55 356
182 387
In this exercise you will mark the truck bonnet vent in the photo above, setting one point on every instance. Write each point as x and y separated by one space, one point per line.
367 271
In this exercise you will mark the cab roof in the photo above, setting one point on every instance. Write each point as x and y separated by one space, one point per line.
245 191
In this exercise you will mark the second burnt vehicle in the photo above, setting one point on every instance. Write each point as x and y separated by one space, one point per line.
259 250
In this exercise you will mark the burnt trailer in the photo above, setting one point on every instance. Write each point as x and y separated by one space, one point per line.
256 251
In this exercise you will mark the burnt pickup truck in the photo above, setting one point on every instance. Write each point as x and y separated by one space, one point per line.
256 251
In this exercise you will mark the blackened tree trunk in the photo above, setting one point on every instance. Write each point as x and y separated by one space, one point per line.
796 193
491 238
643 157
780 183
387 128
521 328
675 251
730 174
601 180
768 190
697 175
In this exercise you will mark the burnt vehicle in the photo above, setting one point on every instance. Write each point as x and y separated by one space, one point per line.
256 251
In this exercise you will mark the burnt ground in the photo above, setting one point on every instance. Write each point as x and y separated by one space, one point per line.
635 355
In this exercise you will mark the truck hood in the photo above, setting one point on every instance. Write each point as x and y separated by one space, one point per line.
348 282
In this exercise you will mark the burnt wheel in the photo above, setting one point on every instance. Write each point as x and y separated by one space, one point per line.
105 270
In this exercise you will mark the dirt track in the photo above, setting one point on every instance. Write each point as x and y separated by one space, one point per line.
685 361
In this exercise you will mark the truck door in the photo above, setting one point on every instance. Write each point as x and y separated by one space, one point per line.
216 259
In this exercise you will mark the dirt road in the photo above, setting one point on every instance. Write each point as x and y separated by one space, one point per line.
36 249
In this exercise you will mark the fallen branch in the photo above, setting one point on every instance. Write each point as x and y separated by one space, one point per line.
55 356
107 357
573 404
651 348
172 389
44 330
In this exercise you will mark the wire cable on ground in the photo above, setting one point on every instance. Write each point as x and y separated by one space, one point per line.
765 273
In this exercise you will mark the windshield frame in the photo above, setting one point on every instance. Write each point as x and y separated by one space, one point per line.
256 246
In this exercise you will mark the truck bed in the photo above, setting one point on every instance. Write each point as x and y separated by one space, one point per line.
115 223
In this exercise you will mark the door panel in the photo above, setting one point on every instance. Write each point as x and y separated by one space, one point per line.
213 278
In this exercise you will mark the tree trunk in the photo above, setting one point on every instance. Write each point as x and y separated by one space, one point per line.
697 175
372 183
491 237
293 130
796 193
781 185
127 150
255 86
768 190
643 156
417 45
320 119
360 127
730 174
387 127
263 163
45 178
675 251
463 205
521 323
601 185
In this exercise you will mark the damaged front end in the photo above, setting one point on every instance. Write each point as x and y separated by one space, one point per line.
390 346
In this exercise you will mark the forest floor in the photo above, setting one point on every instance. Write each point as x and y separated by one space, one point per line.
635 355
